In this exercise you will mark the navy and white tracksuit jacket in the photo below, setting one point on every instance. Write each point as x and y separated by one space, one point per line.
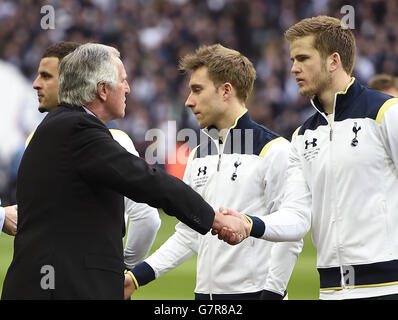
343 181
245 173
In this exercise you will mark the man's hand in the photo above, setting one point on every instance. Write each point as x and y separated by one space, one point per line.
129 286
230 226
10 220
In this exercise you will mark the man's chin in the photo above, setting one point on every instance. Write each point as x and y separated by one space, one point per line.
42 109
47 108
202 125
305 93
121 115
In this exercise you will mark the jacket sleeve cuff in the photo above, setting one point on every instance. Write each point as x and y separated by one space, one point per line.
143 273
258 227
2 217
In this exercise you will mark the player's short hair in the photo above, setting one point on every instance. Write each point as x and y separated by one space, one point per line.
60 49
330 36
223 65
383 81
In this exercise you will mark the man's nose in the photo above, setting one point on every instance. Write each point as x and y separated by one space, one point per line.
127 87
295 69
189 103
36 83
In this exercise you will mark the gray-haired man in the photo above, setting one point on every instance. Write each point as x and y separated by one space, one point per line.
144 220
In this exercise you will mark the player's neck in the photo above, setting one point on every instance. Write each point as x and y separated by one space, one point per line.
339 84
230 117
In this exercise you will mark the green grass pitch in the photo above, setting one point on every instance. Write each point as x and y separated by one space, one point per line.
179 283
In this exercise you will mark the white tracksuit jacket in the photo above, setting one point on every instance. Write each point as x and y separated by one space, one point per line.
343 180
249 179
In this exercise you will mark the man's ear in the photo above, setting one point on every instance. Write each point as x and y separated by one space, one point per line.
102 90
334 62
228 90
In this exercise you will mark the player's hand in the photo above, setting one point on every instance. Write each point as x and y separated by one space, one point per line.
11 220
129 286
230 226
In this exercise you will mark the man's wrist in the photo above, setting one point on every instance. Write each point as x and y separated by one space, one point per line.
132 277
249 220
257 228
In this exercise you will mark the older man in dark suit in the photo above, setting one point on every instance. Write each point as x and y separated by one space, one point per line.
70 189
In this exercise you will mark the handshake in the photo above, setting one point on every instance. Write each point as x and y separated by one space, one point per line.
231 226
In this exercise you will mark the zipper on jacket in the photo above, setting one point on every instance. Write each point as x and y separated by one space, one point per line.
219 162
330 120
334 210
220 149
342 277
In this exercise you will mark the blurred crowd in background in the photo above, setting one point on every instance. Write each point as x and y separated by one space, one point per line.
152 35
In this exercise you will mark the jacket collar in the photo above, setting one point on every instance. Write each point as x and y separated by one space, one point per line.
342 99
241 122
79 108
73 107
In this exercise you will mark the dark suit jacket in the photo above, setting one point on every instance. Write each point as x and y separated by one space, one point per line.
70 188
